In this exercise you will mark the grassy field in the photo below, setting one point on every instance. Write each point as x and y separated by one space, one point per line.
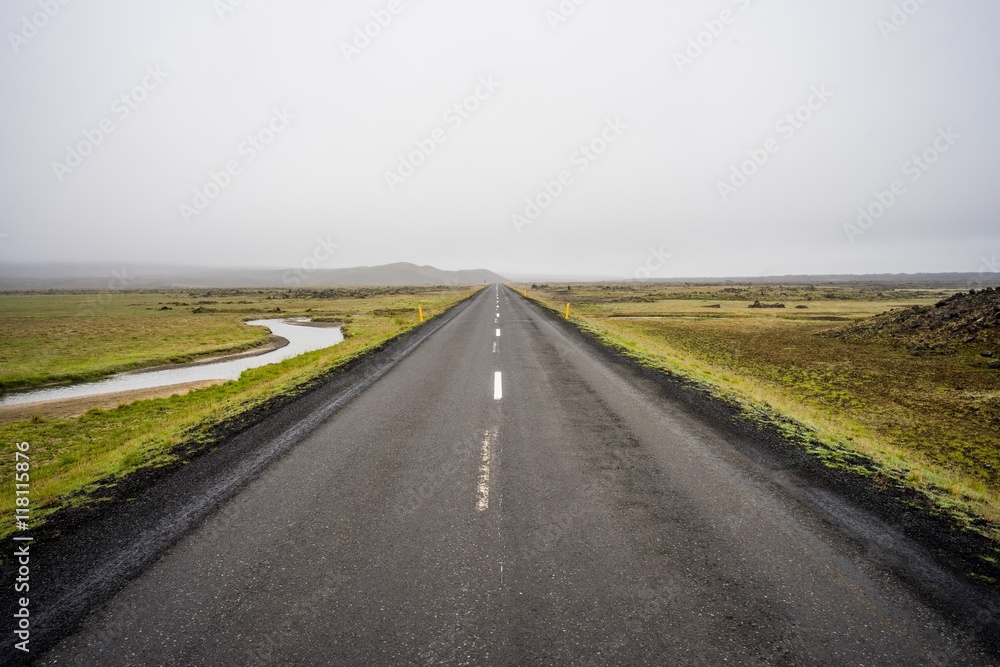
60 338
47 338
929 421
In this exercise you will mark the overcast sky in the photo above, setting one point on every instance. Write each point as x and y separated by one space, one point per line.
648 111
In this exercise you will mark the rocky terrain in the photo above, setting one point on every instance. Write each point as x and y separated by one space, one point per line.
964 322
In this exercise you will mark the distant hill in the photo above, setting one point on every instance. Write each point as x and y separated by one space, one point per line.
402 273
97 276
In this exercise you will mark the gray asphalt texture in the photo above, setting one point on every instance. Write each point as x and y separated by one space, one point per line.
618 527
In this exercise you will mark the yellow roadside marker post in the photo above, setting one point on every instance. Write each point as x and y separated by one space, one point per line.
567 311
420 311
525 294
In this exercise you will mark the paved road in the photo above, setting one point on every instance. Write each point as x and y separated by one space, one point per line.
563 512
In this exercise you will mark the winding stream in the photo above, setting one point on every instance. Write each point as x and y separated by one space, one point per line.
302 337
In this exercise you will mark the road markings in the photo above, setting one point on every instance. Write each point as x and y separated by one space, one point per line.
483 488
494 347
497 386
498 333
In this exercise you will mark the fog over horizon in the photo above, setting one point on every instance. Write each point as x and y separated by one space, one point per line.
573 137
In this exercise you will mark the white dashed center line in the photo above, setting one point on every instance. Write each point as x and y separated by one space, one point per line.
498 333
483 488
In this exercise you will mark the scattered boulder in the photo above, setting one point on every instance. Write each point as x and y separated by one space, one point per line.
758 304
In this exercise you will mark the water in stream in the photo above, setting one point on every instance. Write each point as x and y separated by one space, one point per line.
301 338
